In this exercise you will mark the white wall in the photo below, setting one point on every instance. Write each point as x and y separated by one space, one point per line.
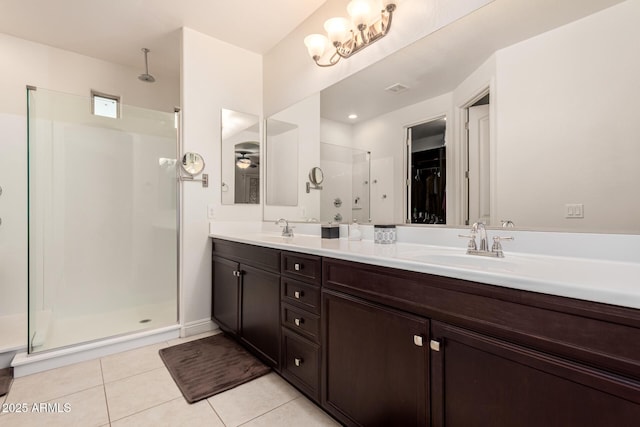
569 98
214 75
28 63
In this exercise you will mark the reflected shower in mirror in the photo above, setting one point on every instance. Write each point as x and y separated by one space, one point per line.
282 173
345 190
240 166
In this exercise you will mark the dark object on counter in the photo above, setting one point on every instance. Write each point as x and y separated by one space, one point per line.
330 231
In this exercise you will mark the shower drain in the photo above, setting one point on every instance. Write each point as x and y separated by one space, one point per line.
145 321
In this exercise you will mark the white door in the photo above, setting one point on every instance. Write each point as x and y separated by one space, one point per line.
479 150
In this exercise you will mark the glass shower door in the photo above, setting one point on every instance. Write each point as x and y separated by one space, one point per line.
102 221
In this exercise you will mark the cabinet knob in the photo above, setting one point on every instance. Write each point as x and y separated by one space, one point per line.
298 294
236 273
298 321
298 361
435 345
417 340
297 266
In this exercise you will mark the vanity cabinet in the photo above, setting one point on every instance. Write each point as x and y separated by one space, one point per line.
498 356
480 380
246 296
375 345
376 363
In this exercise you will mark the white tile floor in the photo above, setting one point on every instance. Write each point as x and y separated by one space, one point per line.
134 388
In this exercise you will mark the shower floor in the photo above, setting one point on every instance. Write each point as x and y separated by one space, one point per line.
66 331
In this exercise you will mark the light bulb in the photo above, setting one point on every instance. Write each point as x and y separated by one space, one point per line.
337 29
243 163
359 11
316 44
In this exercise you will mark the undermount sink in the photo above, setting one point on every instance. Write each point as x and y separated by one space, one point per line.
293 240
459 258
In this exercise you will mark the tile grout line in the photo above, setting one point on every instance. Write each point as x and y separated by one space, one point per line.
104 390
146 409
270 410
216 412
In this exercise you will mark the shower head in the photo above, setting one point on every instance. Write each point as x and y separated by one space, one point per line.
146 77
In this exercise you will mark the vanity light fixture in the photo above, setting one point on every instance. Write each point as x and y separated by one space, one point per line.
367 28
353 116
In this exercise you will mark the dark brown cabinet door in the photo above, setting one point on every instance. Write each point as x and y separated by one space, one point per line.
376 363
481 381
226 294
260 314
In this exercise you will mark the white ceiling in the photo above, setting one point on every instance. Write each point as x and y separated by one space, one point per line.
116 30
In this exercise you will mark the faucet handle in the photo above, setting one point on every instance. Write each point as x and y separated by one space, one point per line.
472 240
497 247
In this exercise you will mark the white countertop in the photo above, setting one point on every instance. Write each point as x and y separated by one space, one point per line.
605 281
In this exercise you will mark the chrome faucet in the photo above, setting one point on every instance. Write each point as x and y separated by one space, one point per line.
479 227
286 230
483 250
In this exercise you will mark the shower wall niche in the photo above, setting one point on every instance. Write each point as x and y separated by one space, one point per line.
102 221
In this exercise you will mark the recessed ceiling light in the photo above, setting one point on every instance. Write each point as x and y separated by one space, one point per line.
353 116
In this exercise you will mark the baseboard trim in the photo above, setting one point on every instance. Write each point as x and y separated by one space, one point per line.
196 327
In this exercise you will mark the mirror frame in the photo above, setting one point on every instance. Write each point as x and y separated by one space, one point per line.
316 175
192 163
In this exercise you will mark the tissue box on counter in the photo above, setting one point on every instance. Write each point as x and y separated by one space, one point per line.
384 233
330 231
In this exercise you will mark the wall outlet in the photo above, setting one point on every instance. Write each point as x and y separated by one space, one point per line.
210 211
574 210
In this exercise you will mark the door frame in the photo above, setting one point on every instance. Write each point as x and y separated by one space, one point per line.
406 164
462 114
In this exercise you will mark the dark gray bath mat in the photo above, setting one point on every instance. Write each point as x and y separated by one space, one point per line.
209 366
5 380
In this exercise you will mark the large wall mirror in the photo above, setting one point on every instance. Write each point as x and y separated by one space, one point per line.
560 149
292 149
240 166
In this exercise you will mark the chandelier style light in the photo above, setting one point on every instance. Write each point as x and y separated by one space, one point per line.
370 21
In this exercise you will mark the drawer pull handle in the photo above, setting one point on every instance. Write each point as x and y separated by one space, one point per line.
298 294
297 267
435 345
298 321
298 361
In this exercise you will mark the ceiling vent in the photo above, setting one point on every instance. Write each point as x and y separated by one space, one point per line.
397 88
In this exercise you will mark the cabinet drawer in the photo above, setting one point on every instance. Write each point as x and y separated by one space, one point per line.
301 294
304 267
301 363
257 256
301 321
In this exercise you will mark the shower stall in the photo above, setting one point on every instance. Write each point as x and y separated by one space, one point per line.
103 220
